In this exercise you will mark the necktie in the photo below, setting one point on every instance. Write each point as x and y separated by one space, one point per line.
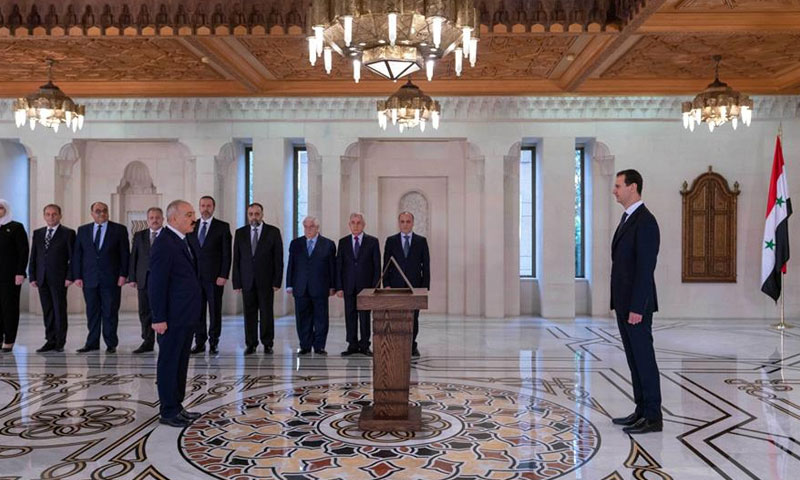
188 248
310 246
97 237
406 245
621 223
203 231
48 238
152 237
254 241
356 247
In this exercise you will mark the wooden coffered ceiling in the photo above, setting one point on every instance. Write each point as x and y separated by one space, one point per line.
527 47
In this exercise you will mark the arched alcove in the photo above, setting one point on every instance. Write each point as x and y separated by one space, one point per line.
416 203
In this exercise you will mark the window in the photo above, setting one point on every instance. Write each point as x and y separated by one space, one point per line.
527 219
300 188
248 175
580 202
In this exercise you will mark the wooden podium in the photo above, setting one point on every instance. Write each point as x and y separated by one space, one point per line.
392 332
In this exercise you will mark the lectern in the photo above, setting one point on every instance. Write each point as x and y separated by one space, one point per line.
392 332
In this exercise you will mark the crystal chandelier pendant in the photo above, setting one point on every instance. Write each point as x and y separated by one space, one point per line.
409 108
49 106
717 105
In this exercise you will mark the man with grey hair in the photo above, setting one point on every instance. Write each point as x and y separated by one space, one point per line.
310 279
175 297
138 270
358 266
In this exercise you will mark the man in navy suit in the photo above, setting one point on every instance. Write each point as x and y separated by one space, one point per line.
138 270
358 266
100 267
310 279
175 296
258 274
634 251
49 271
411 253
212 238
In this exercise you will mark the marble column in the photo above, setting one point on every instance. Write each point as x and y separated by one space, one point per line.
494 237
602 228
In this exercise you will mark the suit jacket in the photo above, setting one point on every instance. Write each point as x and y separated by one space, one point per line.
173 284
13 251
101 268
634 250
313 275
354 274
265 269
417 266
140 258
214 259
52 265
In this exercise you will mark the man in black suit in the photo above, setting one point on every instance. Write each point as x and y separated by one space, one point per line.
358 266
411 253
258 273
100 267
49 271
174 289
634 251
310 279
212 239
137 273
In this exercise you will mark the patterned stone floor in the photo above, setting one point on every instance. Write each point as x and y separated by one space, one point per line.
522 398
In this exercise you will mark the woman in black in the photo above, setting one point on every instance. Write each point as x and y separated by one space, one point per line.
13 262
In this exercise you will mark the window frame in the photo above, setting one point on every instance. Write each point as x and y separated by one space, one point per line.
581 272
532 149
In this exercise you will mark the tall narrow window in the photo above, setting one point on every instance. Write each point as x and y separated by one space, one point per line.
248 175
580 224
300 188
527 219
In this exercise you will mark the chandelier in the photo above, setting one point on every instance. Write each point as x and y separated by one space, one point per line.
407 108
717 104
393 38
49 106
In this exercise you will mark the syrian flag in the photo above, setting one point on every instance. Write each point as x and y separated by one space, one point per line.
775 248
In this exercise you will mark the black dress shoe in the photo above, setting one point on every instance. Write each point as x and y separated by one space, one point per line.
267 350
191 416
644 425
213 350
320 352
626 421
249 350
367 352
86 349
111 350
304 351
176 421
46 348
198 349
415 352
6 349
143 348
349 352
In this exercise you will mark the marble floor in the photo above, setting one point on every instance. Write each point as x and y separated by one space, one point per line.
522 398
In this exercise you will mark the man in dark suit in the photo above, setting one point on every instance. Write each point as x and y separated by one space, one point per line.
50 273
174 289
411 253
358 266
257 273
634 251
100 267
310 279
138 270
212 239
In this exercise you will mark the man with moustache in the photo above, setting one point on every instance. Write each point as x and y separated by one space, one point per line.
258 273
212 238
358 266
100 268
137 273
50 273
174 291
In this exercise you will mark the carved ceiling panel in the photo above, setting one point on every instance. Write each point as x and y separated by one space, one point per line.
689 56
102 60
732 5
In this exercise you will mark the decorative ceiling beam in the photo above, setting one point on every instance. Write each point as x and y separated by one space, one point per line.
722 22
596 46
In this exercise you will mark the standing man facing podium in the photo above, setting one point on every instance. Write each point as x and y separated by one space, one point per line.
358 266
411 253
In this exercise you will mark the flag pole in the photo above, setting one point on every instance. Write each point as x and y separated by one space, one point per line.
782 325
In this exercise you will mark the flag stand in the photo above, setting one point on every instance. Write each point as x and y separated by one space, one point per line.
782 325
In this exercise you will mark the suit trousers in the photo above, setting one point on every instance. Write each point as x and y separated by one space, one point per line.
148 334
174 347
258 300
211 306
312 321
638 342
53 298
356 321
9 312
102 314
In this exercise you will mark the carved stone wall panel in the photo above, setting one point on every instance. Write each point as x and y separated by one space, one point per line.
103 59
677 55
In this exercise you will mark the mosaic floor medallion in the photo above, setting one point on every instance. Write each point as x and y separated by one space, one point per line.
310 432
